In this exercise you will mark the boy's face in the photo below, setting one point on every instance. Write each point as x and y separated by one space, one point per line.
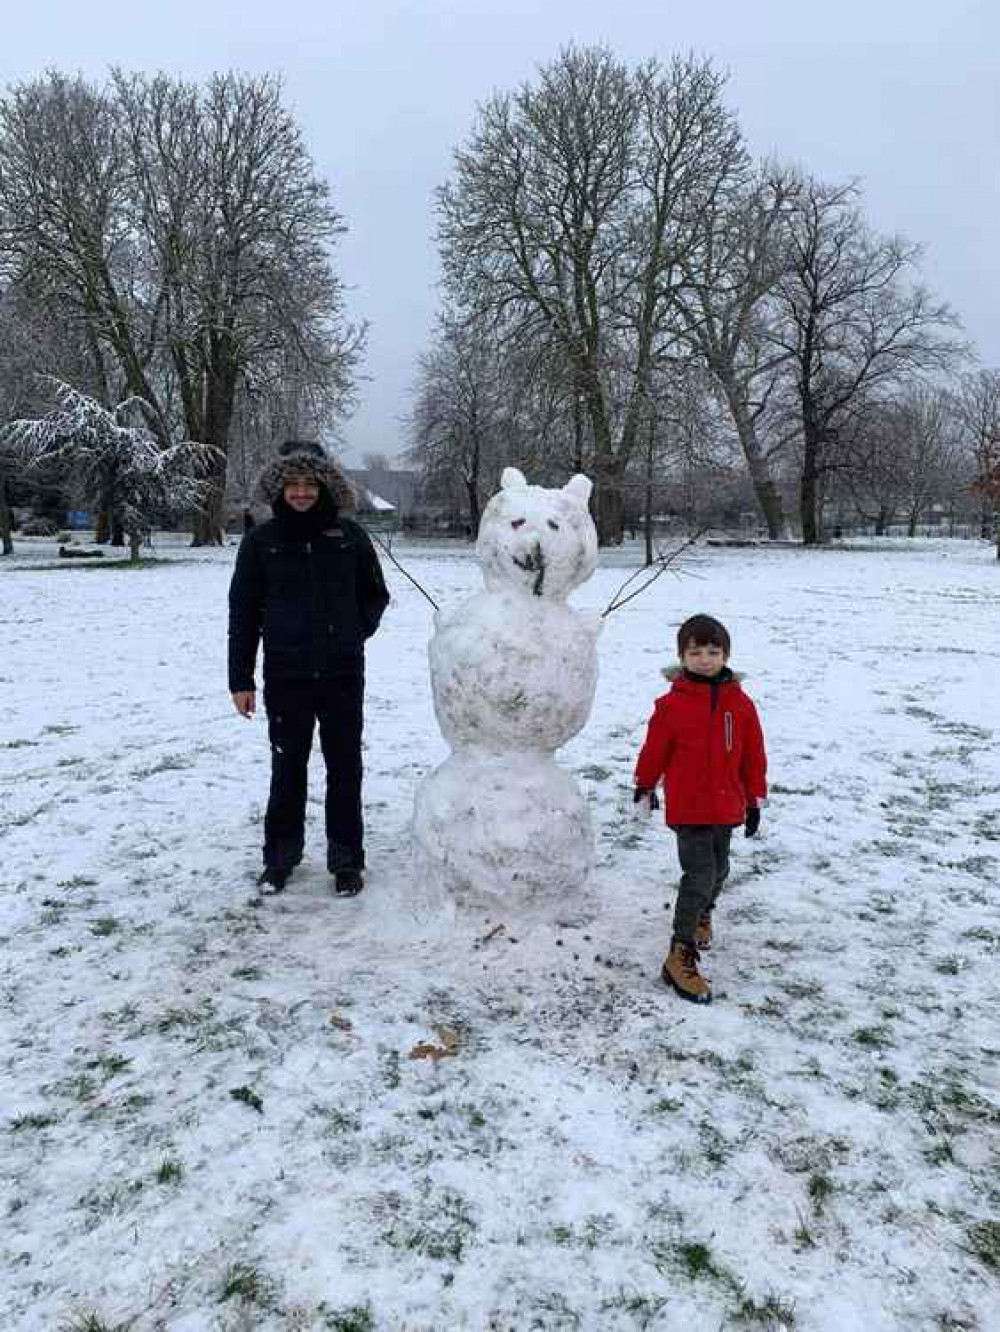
703 659
301 493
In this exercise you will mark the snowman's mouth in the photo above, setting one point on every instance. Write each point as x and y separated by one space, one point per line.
533 562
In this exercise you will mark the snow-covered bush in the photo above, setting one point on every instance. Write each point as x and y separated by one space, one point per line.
113 462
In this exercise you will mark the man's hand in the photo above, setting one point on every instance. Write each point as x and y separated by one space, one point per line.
245 702
752 822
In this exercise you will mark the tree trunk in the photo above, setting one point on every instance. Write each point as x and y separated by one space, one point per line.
6 521
577 432
102 527
609 503
220 391
764 489
117 531
609 506
210 520
882 521
808 492
134 546
647 514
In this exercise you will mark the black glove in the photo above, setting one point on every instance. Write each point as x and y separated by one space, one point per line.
642 793
752 822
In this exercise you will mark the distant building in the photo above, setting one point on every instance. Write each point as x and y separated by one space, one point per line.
392 486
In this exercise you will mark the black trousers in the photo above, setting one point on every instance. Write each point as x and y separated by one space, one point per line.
293 709
703 850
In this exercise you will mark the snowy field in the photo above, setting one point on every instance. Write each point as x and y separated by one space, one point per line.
222 1113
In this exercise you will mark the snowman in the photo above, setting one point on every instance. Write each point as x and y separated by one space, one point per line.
513 674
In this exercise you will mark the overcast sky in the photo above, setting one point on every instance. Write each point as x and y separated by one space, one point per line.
903 93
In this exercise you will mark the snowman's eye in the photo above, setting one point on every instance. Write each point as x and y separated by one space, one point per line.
554 525
517 522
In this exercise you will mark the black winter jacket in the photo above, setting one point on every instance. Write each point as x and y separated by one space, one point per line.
314 601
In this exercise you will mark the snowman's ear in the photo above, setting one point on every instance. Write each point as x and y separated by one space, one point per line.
512 479
579 487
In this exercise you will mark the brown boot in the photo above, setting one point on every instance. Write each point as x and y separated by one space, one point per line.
703 932
680 971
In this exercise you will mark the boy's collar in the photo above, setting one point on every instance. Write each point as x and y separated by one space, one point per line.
677 672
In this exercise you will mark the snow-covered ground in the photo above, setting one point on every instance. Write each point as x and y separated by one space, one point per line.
211 1116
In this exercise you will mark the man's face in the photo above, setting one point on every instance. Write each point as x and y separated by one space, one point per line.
703 659
301 493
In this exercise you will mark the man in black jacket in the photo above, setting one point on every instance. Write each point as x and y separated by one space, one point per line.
308 582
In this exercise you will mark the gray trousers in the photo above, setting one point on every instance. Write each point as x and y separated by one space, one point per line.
704 855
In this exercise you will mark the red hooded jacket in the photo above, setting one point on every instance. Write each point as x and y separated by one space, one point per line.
705 741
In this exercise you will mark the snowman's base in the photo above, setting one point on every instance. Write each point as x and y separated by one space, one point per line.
507 831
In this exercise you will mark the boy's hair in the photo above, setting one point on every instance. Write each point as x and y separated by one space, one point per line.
702 631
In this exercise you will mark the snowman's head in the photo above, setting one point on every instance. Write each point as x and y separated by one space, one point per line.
541 542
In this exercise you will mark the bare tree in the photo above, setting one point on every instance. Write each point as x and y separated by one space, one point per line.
977 406
852 326
186 229
456 416
929 449
66 226
239 226
873 473
570 208
730 279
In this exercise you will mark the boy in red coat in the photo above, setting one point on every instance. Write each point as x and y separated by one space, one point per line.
705 743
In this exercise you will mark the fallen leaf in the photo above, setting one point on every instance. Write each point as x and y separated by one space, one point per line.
446 1050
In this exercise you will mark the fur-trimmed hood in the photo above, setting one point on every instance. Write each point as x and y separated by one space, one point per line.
306 460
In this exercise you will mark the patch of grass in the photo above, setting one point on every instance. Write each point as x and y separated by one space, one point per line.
595 773
247 1096
984 1240
802 989
111 1064
941 1153
389 1067
802 1235
169 763
773 1312
982 934
246 1283
819 1188
356 1318
872 1038
250 973
642 1310
169 1172
103 926
338 1121
31 1121
91 1321
115 1200
180 1017
696 1260
442 1230
980 867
